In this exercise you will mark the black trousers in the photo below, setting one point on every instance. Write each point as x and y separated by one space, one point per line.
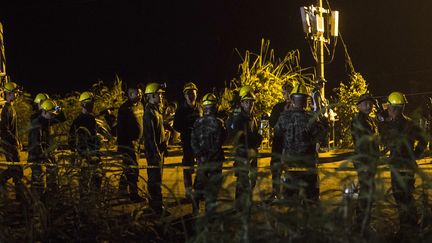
403 188
189 161
208 182
129 177
155 186
37 178
366 171
13 171
307 182
246 173
275 168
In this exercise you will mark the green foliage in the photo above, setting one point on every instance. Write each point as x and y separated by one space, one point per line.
347 95
267 75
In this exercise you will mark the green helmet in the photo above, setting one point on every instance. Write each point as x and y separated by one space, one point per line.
40 97
246 93
209 99
86 96
153 88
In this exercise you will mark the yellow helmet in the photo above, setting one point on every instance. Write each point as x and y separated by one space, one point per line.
50 106
10 86
41 97
299 89
189 86
86 96
246 93
397 98
153 88
209 99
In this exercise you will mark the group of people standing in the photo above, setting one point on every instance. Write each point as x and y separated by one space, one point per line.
297 131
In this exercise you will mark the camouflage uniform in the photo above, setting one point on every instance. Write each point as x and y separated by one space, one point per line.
399 136
300 131
10 143
208 135
276 148
245 129
155 145
364 133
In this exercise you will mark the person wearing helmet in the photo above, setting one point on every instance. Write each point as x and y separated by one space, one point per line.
244 126
184 119
317 99
39 98
10 141
277 141
40 148
364 132
299 130
83 140
154 143
129 135
207 138
406 142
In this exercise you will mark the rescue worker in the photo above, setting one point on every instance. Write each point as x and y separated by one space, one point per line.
300 131
318 101
40 149
244 126
129 134
155 144
10 143
39 98
400 134
184 119
84 141
277 141
208 136
364 132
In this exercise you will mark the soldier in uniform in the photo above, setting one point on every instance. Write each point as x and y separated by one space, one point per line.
83 140
400 134
40 148
208 135
245 129
155 144
129 134
277 141
300 131
10 142
365 136
184 119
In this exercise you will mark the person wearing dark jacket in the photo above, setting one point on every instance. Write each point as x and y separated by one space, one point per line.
366 148
208 136
10 142
406 142
129 135
155 144
84 142
244 126
184 119
277 141
40 148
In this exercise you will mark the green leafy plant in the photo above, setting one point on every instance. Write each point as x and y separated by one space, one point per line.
346 104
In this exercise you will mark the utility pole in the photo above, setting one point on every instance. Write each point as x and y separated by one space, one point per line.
320 51
2 57
319 25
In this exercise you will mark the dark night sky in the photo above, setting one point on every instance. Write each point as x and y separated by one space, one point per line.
64 45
